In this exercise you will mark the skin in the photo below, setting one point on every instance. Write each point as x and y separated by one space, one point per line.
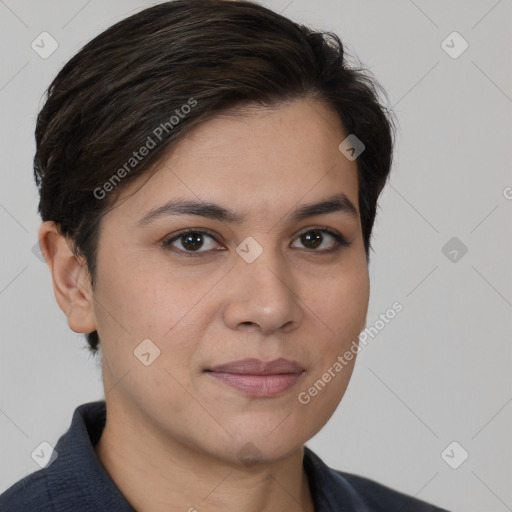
173 434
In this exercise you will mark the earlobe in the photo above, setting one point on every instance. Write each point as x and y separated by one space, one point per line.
71 282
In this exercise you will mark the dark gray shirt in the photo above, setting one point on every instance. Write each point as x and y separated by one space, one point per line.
75 481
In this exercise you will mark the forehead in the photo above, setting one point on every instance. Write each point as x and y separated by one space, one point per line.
269 158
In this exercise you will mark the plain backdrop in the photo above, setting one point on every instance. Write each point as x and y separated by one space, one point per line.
439 372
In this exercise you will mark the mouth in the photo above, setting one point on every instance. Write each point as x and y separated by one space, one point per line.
258 378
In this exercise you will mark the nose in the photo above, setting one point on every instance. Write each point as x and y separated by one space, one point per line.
262 296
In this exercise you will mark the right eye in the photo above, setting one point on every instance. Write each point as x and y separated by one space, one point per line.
191 240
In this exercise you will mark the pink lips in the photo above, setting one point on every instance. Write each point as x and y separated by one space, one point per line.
258 378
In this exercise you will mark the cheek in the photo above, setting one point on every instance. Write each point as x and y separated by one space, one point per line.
138 306
340 308
341 302
142 304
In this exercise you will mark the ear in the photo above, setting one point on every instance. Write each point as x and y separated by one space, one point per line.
71 281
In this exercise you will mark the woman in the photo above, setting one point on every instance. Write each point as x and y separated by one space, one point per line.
209 174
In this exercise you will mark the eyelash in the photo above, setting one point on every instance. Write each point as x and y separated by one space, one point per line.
341 241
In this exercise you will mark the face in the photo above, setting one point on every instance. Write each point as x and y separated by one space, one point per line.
205 289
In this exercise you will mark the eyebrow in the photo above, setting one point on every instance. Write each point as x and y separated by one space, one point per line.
336 203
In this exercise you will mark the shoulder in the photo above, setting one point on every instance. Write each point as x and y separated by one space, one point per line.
73 478
28 494
380 498
64 482
333 489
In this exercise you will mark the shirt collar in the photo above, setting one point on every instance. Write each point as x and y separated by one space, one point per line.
77 471
78 468
329 489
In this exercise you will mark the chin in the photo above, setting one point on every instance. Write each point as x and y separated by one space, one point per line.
256 451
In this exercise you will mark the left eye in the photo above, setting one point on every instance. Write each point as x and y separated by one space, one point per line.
315 237
192 241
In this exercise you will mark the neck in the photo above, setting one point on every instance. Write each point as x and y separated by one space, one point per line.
157 473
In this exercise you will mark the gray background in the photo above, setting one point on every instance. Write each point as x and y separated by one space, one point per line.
437 373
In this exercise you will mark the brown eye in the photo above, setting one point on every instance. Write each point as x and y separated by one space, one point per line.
190 241
314 238
194 242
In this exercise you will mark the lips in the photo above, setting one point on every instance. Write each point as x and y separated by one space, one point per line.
257 378
259 367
